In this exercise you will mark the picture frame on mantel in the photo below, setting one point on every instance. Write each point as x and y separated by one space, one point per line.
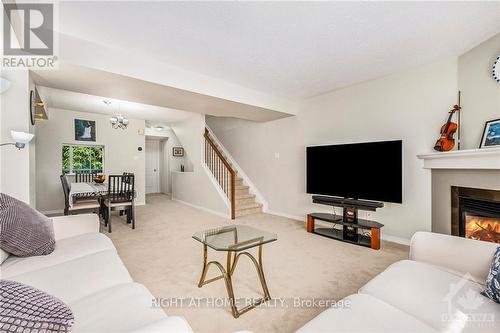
177 151
491 134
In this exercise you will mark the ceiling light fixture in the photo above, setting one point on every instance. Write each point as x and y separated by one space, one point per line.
118 121
159 128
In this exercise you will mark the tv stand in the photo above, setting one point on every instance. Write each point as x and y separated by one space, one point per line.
351 224
350 235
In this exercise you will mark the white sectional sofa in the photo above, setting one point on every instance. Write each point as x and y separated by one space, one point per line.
437 290
86 273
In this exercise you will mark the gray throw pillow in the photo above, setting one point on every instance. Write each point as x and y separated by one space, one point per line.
24 232
27 309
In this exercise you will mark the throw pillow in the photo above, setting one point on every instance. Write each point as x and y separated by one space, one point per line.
24 232
27 309
492 290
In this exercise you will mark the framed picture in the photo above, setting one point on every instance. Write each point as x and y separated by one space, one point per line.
178 151
84 130
491 134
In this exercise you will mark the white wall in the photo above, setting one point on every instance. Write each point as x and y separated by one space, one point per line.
196 187
480 93
120 153
15 176
410 106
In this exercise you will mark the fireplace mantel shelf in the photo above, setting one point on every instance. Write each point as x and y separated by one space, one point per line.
487 158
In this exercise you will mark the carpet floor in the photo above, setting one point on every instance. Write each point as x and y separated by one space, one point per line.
300 268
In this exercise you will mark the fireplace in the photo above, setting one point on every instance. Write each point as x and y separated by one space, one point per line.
475 213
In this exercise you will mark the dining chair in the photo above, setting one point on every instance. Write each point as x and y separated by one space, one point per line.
78 204
120 196
126 180
84 177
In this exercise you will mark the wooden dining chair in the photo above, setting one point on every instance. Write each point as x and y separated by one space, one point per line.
120 195
84 177
78 204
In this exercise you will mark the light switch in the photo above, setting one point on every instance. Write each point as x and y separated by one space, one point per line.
277 156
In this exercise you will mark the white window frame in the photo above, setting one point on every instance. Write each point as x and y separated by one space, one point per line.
71 145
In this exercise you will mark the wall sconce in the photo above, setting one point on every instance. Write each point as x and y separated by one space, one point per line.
20 139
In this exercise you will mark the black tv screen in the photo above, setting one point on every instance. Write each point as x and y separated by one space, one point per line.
370 171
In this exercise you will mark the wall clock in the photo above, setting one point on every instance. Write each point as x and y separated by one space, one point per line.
496 69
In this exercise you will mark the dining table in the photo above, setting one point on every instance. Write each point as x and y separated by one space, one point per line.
86 189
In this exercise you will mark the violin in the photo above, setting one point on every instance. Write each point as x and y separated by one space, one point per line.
446 142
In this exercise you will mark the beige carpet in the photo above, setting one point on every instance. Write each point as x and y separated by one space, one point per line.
161 254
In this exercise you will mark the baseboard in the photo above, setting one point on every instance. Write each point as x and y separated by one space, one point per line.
202 208
389 238
395 239
288 216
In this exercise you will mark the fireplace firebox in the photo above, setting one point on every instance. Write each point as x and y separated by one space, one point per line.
475 213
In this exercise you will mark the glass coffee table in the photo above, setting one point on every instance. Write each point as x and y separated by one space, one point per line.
234 240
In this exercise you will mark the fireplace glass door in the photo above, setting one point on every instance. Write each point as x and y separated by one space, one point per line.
479 219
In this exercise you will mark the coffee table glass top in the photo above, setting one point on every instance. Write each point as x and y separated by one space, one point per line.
234 238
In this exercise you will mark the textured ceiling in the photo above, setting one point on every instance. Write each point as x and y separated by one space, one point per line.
293 49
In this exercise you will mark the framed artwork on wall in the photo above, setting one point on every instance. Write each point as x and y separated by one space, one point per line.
491 134
84 130
177 151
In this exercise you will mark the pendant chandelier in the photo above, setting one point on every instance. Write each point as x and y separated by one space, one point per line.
118 121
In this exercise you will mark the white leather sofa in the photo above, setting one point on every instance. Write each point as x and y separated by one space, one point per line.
86 273
437 290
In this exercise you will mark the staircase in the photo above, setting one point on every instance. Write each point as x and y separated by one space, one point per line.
238 193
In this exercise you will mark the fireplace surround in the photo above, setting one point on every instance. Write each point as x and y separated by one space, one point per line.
475 213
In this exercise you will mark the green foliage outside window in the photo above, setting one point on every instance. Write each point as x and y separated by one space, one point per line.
82 159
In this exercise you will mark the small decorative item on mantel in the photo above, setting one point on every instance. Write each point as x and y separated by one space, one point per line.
446 142
177 151
491 134
182 167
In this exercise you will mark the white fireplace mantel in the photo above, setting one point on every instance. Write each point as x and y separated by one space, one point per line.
486 158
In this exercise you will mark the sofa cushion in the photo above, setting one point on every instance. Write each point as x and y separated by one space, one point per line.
74 225
3 256
492 290
364 309
121 308
441 299
66 249
80 277
27 309
24 231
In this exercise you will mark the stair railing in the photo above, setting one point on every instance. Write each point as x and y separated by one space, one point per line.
221 170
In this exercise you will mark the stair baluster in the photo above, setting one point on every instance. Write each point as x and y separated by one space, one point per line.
221 170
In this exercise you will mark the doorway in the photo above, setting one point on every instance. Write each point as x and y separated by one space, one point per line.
152 166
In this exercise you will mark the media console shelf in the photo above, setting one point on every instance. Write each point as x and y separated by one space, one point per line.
349 232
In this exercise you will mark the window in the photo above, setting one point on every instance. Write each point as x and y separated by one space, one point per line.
79 158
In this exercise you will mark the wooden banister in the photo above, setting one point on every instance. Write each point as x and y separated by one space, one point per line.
222 171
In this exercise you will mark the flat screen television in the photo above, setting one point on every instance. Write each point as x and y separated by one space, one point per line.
370 171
